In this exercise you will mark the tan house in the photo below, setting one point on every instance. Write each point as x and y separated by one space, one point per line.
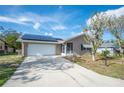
37 45
4 48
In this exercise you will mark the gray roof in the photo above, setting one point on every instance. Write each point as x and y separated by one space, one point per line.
108 45
39 38
104 45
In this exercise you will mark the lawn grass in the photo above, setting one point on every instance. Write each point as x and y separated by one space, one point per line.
8 65
114 69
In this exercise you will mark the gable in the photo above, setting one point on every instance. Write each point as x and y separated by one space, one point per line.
80 39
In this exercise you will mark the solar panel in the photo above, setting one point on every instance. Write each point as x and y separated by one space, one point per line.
39 38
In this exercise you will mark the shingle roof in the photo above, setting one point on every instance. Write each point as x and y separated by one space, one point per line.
104 45
39 38
108 44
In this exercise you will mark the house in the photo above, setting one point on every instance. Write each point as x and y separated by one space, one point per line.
111 47
4 48
33 45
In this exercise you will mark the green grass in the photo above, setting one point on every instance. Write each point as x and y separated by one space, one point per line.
8 65
114 69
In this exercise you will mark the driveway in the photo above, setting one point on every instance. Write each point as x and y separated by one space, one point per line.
57 72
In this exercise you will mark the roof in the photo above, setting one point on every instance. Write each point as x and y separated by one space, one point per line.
40 38
80 34
108 45
104 45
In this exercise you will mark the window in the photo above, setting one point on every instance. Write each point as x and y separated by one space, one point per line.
85 48
82 48
0 46
69 47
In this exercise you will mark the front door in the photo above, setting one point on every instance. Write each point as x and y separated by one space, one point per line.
69 48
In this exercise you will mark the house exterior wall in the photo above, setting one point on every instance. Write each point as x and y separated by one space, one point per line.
24 48
58 49
10 50
2 44
77 45
111 50
2 47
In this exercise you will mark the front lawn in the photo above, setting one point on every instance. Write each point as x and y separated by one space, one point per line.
115 67
8 64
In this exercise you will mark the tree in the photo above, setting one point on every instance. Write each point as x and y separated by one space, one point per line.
11 41
94 32
10 36
116 26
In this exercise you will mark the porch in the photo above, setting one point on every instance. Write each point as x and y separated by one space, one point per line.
67 49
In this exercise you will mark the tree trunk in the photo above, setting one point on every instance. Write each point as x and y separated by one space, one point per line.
121 51
106 63
93 57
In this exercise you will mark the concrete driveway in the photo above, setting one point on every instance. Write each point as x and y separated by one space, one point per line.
57 72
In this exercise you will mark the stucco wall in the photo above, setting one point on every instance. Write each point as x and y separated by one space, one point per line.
77 45
111 50
24 48
58 49
2 44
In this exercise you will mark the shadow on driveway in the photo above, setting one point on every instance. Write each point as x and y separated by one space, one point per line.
30 69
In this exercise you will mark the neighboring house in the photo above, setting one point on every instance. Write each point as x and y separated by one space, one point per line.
4 48
46 45
111 47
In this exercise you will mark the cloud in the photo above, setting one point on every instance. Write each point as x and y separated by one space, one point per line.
59 27
115 12
54 22
36 26
12 20
76 26
29 19
48 34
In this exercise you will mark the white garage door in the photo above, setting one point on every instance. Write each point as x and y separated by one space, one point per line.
41 49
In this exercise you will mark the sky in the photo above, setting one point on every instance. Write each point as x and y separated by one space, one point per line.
55 20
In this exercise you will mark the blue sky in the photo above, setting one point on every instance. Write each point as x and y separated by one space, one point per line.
58 21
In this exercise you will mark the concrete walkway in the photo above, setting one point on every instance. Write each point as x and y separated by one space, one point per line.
57 72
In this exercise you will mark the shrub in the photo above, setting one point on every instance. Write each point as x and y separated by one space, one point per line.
105 55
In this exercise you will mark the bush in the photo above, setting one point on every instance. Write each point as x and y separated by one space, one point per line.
105 55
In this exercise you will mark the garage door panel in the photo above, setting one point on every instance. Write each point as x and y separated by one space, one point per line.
41 49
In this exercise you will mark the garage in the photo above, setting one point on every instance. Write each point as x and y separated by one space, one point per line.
39 45
41 49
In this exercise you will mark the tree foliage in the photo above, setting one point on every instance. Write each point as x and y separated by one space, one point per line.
10 36
116 26
94 32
